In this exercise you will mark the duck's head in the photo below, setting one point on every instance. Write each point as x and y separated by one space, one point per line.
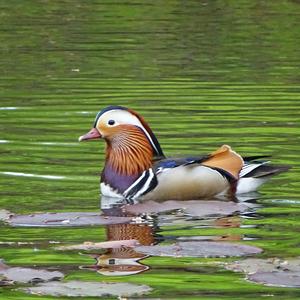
116 123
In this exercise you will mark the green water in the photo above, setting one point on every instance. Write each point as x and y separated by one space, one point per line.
202 73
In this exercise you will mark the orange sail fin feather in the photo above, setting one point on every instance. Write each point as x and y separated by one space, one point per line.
226 159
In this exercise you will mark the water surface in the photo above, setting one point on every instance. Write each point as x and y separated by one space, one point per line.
202 73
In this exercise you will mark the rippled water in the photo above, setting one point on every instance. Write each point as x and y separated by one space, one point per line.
202 73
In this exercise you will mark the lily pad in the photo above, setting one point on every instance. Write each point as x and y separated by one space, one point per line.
214 208
101 245
65 219
225 237
25 275
196 208
280 278
200 249
87 289
272 271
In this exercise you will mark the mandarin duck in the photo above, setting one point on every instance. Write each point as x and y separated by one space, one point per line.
137 169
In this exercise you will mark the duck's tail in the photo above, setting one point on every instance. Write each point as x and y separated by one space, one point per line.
256 172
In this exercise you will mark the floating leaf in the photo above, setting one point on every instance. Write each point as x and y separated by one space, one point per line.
65 219
25 275
87 289
272 271
197 208
200 249
279 278
102 245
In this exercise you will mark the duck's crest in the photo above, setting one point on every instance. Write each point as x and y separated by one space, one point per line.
153 140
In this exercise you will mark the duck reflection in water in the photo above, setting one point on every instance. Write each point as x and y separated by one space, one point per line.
122 260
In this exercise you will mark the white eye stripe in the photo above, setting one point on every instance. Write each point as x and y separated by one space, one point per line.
120 116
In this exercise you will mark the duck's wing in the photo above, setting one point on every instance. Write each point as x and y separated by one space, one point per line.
224 160
174 162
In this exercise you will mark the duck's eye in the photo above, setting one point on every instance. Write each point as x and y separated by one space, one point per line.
111 122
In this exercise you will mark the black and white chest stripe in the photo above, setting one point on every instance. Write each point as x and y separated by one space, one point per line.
144 184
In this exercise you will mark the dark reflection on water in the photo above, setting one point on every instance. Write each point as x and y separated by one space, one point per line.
123 261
